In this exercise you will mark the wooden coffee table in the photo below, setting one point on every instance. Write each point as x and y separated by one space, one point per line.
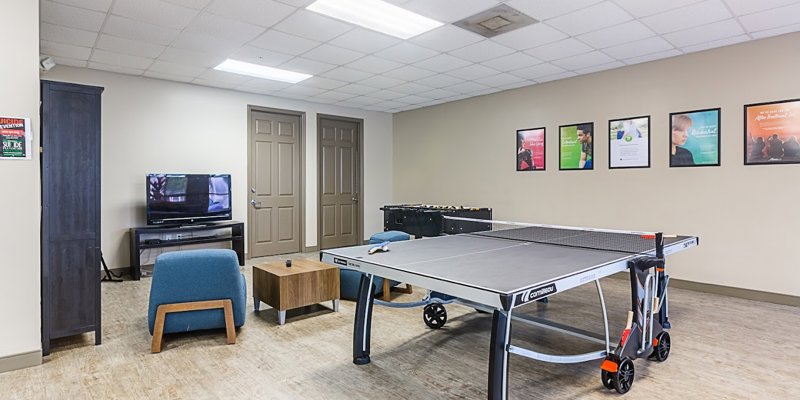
305 283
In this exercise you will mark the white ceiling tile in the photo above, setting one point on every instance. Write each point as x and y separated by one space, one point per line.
96 5
771 19
589 19
306 66
517 85
618 34
652 56
225 28
297 3
386 95
777 31
500 80
127 46
530 36
601 67
332 54
212 75
216 84
301 90
335 95
446 38
473 72
409 73
563 75
168 77
284 43
412 88
482 51
176 69
543 10
413 99
442 63
385 105
467 87
107 57
347 74
381 82
364 41
356 89
583 60
263 86
135 30
263 13
260 56
448 10
196 4
312 26
438 94
705 33
716 43
362 101
182 56
73 17
71 62
205 43
638 48
322 83
688 17
537 71
512 61
744 7
644 8
155 12
115 68
439 81
562 49
372 64
62 34
406 53
64 50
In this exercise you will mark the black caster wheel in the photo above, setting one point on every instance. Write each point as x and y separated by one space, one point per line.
605 377
661 350
623 378
434 315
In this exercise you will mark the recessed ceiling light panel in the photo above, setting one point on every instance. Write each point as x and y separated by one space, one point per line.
376 15
261 71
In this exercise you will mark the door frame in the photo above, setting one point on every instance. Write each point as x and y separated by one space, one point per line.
359 174
302 136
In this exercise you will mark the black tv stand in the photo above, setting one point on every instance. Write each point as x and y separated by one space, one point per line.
236 237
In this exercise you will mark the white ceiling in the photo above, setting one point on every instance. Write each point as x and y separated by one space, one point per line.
182 40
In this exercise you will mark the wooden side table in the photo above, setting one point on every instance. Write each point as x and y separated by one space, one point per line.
306 282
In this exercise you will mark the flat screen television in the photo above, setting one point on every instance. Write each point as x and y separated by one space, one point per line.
175 199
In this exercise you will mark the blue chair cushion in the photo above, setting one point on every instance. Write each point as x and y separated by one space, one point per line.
349 280
388 236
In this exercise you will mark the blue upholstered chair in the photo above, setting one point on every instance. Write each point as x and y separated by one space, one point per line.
351 279
194 290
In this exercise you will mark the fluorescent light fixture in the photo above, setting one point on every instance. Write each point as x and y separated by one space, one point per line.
260 71
376 15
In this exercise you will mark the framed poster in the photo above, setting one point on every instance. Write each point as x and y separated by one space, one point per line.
629 142
694 138
16 137
771 132
575 146
530 149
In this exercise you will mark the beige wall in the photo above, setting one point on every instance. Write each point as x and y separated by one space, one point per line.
19 237
746 217
150 125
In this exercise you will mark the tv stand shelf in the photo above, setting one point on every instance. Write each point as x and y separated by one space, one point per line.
236 237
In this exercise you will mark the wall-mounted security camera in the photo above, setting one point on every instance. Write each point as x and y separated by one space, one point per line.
46 64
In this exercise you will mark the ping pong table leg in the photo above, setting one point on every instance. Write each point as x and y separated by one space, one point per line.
498 355
363 320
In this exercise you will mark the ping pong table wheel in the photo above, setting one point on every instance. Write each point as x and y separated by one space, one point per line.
605 377
434 315
661 349
623 378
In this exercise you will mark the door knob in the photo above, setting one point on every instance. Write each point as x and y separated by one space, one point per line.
255 204
355 198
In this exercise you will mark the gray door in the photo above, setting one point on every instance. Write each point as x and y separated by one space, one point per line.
339 174
274 184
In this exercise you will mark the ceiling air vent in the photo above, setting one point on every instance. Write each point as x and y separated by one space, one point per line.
494 21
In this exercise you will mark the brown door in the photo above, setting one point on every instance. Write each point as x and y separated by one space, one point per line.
274 184
339 174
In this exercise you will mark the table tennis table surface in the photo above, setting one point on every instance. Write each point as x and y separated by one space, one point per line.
504 262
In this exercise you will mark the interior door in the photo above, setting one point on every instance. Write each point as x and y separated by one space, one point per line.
339 174
274 184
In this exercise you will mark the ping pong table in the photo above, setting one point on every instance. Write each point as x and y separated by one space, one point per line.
512 264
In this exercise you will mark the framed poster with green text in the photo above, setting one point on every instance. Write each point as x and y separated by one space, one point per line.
629 142
694 138
772 132
575 146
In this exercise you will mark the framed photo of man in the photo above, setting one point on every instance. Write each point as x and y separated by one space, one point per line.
772 132
629 142
576 146
530 149
694 138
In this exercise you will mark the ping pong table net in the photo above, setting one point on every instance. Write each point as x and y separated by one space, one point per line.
586 238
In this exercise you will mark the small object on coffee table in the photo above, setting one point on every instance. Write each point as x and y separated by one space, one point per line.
288 263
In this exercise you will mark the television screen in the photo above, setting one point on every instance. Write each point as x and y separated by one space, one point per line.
188 198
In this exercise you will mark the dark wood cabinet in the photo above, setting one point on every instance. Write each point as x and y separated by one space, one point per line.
70 159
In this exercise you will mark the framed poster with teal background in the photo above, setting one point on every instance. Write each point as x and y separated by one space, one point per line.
694 138
576 146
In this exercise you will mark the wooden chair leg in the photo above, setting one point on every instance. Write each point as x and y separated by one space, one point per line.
158 329
230 328
387 296
161 315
